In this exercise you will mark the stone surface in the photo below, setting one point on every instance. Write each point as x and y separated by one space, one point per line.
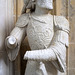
44 36
68 6
6 25
58 10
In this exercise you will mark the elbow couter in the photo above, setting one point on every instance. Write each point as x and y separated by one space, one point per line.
11 42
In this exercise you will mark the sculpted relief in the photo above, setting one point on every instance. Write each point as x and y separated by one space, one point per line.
47 36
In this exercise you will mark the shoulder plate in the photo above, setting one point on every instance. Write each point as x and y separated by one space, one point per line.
22 20
61 23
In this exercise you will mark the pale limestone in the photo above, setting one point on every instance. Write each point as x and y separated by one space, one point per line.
48 40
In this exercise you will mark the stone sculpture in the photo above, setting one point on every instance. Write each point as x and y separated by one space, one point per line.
48 39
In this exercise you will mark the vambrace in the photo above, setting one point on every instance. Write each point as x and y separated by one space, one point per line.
13 42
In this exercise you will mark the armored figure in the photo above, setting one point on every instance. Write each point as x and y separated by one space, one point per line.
47 36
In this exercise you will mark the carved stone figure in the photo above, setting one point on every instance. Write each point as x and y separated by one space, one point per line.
48 39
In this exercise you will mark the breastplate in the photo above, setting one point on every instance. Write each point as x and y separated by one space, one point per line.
40 31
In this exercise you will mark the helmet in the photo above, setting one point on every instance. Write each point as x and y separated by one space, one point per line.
28 4
45 4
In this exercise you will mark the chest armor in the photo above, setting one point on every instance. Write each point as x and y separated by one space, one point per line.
40 31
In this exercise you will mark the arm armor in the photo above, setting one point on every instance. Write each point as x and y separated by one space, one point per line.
18 33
